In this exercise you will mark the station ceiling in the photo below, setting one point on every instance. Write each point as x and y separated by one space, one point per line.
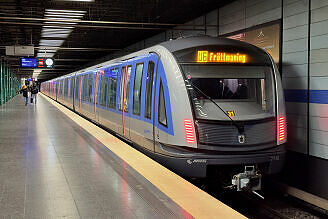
77 32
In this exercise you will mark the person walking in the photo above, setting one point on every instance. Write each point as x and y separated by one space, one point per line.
34 92
24 90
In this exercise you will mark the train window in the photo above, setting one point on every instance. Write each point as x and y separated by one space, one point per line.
137 89
149 89
69 90
112 88
85 84
124 88
90 80
161 107
95 87
103 90
66 87
72 86
246 90
77 85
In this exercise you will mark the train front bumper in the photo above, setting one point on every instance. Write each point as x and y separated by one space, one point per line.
196 164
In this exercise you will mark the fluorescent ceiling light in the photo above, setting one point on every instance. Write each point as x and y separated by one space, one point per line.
64 27
58 22
51 41
74 0
51 30
63 15
60 18
55 35
45 54
47 51
44 30
65 11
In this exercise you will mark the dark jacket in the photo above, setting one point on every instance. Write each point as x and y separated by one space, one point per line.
34 89
24 91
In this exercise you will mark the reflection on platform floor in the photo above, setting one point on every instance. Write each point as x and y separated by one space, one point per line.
50 167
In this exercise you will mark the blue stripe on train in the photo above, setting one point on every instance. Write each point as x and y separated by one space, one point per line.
316 96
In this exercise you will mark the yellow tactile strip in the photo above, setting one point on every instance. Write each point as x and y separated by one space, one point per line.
195 201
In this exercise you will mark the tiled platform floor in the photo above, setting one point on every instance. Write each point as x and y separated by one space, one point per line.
51 168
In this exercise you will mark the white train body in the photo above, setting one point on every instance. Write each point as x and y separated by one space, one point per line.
187 131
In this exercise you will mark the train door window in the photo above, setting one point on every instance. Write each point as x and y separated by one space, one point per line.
90 80
103 90
72 86
149 89
77 85
124 88
112 84
137 89
85 87
95 87
161 106
66 87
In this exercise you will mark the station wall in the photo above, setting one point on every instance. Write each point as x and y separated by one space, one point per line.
9 83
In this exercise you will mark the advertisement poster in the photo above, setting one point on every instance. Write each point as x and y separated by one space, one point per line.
267 38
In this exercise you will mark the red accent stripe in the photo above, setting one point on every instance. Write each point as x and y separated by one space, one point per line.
281 128
189 131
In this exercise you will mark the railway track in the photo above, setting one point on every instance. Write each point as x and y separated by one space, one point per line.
274 205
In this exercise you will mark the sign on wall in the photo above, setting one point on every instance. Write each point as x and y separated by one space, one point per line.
267 38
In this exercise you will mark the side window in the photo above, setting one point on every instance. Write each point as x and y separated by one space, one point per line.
95 87
161 106
85 84
124 87
77 85
58 87
69 87
137 89
103 90
66 87
112 88
90 80
149 88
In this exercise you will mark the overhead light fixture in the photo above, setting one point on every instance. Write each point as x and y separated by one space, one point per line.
55 35
47 51
63 15
74 0
63 27
56 31
39 54
55 27
65 11
36 71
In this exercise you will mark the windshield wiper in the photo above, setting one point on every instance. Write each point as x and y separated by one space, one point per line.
240 128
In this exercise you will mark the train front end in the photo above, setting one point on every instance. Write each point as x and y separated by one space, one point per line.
237 101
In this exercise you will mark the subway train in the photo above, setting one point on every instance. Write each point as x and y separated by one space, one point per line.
201 106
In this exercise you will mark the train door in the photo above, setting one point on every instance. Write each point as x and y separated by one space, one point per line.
149 100
96 86
124 99
162 111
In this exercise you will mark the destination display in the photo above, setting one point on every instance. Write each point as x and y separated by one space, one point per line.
205 56
28 63
39 62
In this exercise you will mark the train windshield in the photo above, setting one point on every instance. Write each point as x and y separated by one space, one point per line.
243 92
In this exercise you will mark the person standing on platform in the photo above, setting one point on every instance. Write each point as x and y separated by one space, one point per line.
24 90
34 92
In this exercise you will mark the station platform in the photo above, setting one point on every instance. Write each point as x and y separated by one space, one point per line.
52 165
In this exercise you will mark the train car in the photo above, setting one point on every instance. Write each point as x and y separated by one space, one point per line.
201 106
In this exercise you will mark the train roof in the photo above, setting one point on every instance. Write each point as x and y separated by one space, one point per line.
197 41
